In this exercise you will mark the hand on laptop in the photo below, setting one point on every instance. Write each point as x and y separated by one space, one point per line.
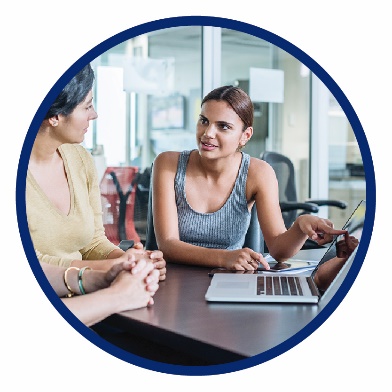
244 259
318 229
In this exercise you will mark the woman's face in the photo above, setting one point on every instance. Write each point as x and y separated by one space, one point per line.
220 130
72 128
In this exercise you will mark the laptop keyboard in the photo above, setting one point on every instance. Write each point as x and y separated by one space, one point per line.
278 285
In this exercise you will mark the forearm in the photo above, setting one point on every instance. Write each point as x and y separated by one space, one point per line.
55 276
287 244
128 291
115 253
100 265
58 277
180 252
92 308
327 272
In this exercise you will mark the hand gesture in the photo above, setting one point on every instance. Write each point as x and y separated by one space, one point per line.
134 267
135 285
318 229
346 246
156 256
244 259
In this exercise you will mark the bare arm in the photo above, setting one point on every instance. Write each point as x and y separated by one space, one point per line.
93 280
283 244
127 292
166 226
126 286
118 255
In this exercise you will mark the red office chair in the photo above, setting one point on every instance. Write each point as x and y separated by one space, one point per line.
118 203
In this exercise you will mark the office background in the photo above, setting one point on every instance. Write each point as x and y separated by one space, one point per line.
337 41
148 91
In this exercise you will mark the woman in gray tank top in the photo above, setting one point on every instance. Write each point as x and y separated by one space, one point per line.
202 198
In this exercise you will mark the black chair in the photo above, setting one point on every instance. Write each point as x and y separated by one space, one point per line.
290 206
151 242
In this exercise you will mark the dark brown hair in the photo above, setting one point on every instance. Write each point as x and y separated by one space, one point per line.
73 93
237 98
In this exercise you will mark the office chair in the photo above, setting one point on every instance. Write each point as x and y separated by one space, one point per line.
151 242
291 208
118 202
141 182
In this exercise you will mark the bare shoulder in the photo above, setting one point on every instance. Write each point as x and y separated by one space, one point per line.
167 160
260 169
261 178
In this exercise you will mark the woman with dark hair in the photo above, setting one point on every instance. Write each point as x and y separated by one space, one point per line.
63 200
202 198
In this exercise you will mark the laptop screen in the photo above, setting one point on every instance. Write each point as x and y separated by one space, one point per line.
354 226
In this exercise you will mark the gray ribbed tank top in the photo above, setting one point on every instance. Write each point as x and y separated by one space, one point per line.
223 229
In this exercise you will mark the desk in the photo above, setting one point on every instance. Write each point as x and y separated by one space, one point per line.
185 329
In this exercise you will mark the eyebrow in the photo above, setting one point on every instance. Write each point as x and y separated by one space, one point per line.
89 101
221 122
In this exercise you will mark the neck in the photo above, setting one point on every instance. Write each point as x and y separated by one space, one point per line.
219 167
44 149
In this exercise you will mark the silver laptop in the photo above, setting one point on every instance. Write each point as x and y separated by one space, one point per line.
280 287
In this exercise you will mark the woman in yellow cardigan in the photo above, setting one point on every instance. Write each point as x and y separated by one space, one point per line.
63 200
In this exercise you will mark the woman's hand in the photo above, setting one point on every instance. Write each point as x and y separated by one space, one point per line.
135 285
318 229
244 259
156 256
147 269
159 262
128 262
346 246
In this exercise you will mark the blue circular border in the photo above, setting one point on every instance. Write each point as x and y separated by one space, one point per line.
196 21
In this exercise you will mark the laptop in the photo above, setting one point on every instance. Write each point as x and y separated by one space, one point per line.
280 287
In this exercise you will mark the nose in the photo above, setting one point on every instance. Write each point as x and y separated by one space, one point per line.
93 115
210 131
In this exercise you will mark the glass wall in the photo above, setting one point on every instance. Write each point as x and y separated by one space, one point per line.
156 108
346 172
148 92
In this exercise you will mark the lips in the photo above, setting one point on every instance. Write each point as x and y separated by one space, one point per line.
208 145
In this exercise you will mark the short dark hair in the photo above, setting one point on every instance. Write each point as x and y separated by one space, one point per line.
237 98
73 93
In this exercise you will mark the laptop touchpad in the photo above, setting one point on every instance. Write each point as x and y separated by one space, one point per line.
232 285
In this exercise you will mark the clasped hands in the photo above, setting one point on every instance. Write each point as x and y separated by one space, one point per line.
156 256
142 269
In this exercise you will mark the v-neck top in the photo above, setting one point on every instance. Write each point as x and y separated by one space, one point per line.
223 229
59 238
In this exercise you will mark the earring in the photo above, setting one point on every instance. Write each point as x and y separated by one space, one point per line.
55 123
241 146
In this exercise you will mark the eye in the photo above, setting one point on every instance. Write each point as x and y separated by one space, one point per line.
203 120
89 107
224 126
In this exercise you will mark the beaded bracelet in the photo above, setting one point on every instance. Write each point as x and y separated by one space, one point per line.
80 281
71 293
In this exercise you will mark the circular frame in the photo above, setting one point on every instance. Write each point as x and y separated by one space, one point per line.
319 72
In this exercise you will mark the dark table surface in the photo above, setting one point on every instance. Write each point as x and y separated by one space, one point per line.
183 320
